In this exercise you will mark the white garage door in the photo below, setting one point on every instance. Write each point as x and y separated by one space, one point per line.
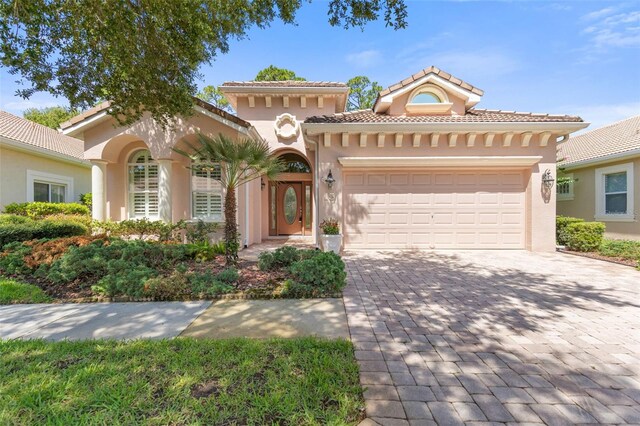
434 209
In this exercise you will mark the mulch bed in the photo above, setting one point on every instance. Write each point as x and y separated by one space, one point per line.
598 256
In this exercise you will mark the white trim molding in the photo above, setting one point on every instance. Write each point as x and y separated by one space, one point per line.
38 176
449 161
600 175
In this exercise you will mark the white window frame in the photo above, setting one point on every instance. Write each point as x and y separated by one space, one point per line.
569 195
34 176
130 206
600 194
216 219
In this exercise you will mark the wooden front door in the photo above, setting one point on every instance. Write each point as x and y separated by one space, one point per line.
289 208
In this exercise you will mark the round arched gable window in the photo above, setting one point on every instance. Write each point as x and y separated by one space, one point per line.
428 99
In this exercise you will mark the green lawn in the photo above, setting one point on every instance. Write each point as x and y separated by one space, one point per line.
180 381
12 291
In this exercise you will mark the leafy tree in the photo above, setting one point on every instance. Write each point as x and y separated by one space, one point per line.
273 73
50 116
240 162
215 97
143 55
363 93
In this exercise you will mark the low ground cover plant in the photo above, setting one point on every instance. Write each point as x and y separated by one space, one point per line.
313 273
306 381
101 266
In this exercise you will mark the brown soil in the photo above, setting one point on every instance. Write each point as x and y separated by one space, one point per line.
598 256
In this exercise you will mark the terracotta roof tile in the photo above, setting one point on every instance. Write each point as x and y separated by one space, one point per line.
616 138
104 105
284 83
431 70
472 116
21 130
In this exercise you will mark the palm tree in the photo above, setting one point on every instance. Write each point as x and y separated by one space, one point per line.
240 161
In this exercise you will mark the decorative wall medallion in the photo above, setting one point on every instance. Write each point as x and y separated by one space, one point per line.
286 126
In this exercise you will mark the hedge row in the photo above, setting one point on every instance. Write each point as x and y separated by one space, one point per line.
40 209
18 228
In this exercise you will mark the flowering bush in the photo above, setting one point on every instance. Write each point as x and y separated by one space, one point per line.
330 226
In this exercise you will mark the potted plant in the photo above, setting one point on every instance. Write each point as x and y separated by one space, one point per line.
331 239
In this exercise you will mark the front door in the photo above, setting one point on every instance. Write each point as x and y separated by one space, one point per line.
289 208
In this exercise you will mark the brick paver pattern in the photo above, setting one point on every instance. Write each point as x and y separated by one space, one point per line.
473 337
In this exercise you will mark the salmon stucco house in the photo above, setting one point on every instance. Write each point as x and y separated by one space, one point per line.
423 168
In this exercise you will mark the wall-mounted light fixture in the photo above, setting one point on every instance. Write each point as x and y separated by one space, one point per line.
547 179
262 184
329 180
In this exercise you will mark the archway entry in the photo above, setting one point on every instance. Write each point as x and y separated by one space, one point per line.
291 198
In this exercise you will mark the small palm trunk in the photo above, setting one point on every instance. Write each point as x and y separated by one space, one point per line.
231 228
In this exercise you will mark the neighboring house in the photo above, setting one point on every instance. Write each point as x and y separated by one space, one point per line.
422 169
40 164
603 171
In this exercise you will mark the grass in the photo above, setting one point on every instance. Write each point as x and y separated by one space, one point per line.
624 249
12 291
304 381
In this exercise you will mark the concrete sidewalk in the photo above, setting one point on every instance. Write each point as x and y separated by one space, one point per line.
146 320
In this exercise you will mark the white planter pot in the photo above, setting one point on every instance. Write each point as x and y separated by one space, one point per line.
331 243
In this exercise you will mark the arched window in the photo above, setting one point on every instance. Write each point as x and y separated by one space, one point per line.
143 186
206 191
425 98
295 163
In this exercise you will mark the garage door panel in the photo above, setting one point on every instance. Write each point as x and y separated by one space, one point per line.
467 209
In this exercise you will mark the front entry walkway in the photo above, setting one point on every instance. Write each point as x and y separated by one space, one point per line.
495 336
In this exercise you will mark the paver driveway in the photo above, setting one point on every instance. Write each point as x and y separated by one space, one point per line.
495 336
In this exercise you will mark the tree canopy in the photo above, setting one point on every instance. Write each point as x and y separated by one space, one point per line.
215 97
363 93
143 55
273 73
50 116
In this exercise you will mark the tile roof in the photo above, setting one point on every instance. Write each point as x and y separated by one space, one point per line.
30 133
284 83
431 70
472 116
203 104
616 138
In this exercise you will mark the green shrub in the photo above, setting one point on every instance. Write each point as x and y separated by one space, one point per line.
16 292
35 230
143 228
39 209
174 286
86 221
228 276
207 284
87 200
199 232
561 228
282 257
13 219
584 236
320 275
202 252
12 259
126 278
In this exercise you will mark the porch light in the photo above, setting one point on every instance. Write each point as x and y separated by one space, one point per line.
547 179
329 180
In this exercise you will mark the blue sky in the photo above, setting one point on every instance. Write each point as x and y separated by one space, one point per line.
574 57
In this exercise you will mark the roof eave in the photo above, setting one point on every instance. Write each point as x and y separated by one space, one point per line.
42 152
452 127
600 160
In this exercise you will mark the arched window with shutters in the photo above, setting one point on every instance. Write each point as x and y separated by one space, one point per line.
206 192
143 186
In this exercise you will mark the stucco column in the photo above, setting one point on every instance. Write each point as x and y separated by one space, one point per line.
164 190
99 189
